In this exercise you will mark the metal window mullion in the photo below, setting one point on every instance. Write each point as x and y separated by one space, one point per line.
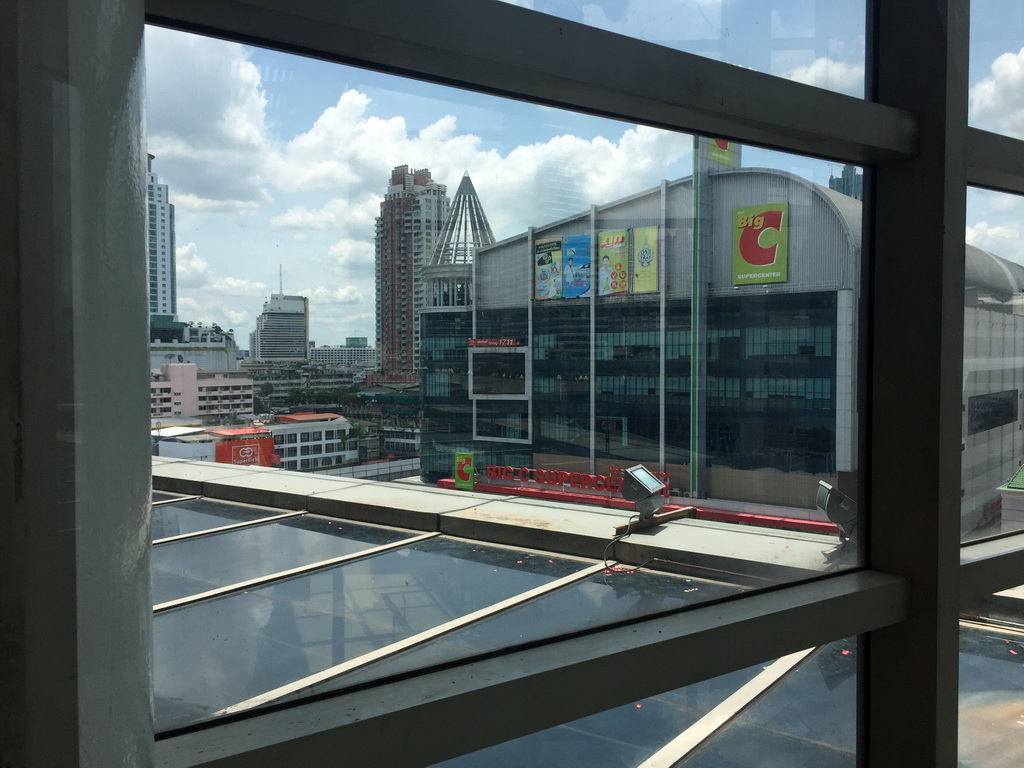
995 161
528 690
411 642
917 211
553 61
991 566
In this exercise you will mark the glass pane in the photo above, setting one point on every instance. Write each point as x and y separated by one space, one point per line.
606 597
223 651
190 567
625 296
997 55
811 41
202 515
809 720
992 501
992 682
805 720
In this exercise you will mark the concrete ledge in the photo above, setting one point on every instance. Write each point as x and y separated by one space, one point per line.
391 504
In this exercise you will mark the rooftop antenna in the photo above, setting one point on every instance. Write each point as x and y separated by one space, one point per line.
280 280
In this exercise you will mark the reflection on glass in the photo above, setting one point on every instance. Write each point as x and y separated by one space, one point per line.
190 567
807 719
593 295
197 515
992 682
819 43
610 596
992 501
217 653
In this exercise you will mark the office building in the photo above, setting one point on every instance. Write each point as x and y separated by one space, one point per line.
76 603
163 289
446 324
411 214
282 330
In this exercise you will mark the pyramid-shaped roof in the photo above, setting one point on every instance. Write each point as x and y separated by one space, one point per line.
465 229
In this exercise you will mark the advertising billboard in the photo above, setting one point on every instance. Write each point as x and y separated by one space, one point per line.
760 244
576 267
613 263
258 451
464 471
721 151
547 269
645 260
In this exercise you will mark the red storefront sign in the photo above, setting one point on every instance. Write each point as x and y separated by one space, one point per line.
556 477
258 451
493 342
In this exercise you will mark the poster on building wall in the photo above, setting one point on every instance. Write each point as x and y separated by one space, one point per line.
576 267
721 151
465 473
613 263
760 244
253 451
645 260
547 269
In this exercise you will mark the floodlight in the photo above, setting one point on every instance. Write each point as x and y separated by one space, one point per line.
644 489
841 510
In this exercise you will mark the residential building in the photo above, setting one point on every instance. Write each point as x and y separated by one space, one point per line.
293 384
211 348
349 355
163 289
314 441
282 330
411 215
180 389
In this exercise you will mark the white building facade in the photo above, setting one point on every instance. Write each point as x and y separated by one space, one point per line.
282 330
364 357
181 389
163 289
315 441
210 348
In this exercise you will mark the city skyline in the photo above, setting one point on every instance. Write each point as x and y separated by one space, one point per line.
283 160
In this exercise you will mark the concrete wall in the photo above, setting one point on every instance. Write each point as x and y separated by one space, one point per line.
75 607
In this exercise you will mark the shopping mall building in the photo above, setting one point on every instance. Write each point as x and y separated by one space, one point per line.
565 363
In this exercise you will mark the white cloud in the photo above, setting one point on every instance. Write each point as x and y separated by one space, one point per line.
346 294
354 254
351 215
997 101
833 75
206 121
1006 240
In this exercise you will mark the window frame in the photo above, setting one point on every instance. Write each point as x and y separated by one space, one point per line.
920 156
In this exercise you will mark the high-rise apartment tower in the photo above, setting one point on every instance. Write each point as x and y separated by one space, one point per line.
163 289
282 330
409 224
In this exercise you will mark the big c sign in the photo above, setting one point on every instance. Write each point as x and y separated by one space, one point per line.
760 244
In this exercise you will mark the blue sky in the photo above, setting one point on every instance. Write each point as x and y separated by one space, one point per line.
277 159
